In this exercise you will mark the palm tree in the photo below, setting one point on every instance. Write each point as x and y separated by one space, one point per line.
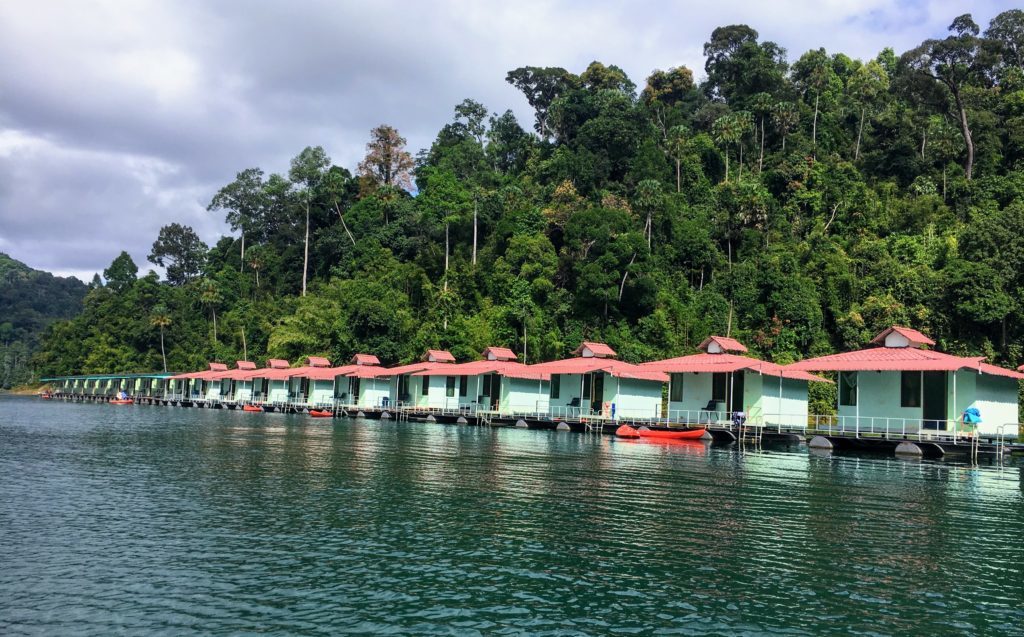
256 263
729 129
210 296
785 116
161 318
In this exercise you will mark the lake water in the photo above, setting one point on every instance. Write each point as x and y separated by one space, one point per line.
155 520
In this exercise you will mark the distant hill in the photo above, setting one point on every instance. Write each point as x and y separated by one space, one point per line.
29 301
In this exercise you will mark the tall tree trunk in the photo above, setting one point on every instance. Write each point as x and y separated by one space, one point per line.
924 141
860 131
760 159
163 354
241 267
739 173
622 286
214 312
678 176
245 349
648 230
446 256
783 143
305 255
475 205
343 224
727 164
814 126
965 130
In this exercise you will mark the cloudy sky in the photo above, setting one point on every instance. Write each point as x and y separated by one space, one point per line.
119 117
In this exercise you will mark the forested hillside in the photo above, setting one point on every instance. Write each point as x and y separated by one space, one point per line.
29 301
799 202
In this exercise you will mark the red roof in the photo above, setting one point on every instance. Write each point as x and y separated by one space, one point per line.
916 338
614 368
365 359
724 342
500 354
218 367
509 369
901 359
704 363
438 356
245 365
277 363
599 350
318 361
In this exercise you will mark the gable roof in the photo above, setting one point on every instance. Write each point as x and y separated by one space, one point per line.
247 365
901 359
499 354
277 363
365 359
318 361
438 356
705 363
725 343
917 339
612 367
218 367
509 369
599 350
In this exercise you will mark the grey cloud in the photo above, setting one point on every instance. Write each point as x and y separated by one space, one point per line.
117 119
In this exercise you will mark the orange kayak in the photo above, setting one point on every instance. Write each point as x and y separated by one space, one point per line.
127 401
320 413
251 408
625 431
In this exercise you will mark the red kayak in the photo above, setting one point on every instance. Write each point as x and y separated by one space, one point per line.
126 401
320 413
625 431
251 408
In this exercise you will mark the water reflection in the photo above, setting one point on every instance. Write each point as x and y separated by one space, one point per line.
159 520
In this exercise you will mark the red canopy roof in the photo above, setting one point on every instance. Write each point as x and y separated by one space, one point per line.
599 350
720 363
318 361
509 369
725 343
614 368
365 359
437 356
499 354
249 365
277 363
901 359
917 339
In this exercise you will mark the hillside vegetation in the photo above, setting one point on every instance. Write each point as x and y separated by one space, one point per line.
800 203
29 301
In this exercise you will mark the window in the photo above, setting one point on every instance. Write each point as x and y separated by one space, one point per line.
556 385
910 389
848 389
586 386
463 385
403 387
449 387
425 388
486 389
718 385
676 383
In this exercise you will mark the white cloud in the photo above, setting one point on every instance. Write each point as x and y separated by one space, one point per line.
117 118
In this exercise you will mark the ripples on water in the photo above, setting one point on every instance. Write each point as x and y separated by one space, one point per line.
146 520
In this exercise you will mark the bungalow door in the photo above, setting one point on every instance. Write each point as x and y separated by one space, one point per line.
933 406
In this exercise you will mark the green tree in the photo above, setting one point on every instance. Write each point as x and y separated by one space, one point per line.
122 273
161 318
955 63
180 250
243 202
307 172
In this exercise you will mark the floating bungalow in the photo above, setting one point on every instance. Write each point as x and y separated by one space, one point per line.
236 384
497 384
595 383
333 385
713 385
270 384
898 386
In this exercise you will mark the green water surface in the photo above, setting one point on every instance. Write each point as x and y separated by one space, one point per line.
153 520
